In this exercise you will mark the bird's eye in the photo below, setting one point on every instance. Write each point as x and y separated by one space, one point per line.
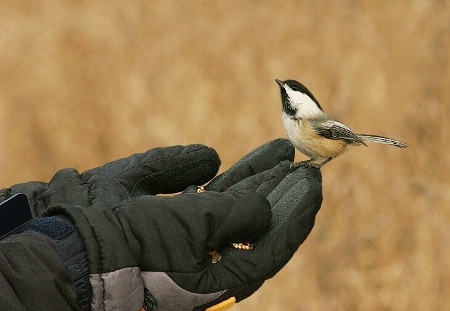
294 88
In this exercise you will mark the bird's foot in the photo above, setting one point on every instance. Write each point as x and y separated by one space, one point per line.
308 163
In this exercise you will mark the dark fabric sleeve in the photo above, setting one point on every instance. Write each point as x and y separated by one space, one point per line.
33 276
8 297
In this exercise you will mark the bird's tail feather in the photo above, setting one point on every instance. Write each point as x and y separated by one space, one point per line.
383 140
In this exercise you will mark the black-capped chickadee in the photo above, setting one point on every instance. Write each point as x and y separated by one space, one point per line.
313 132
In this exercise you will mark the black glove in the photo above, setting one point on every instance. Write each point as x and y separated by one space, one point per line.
295 198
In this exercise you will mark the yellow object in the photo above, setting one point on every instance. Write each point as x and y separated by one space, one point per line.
224 305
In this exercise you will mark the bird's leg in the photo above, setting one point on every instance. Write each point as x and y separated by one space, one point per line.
326 161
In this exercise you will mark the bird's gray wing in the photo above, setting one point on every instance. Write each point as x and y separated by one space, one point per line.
333 129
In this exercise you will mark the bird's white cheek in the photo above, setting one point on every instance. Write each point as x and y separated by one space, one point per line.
305 106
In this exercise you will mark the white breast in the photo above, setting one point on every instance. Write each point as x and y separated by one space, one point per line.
301 136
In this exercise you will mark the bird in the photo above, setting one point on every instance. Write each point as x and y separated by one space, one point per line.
316 134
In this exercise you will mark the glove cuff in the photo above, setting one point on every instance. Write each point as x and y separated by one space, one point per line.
113 271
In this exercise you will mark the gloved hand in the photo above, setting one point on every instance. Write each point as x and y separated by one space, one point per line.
159 170
295 198
132 239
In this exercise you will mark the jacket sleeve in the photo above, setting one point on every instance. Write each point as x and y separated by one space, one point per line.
42 269
8 298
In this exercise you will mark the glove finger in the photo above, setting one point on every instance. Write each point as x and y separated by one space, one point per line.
162 170
295 203
258 160
265 182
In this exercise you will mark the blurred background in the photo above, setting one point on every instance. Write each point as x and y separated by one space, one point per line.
86 82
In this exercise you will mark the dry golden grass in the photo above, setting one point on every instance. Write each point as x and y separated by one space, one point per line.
83 82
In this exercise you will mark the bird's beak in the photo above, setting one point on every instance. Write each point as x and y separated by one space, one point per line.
280 83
